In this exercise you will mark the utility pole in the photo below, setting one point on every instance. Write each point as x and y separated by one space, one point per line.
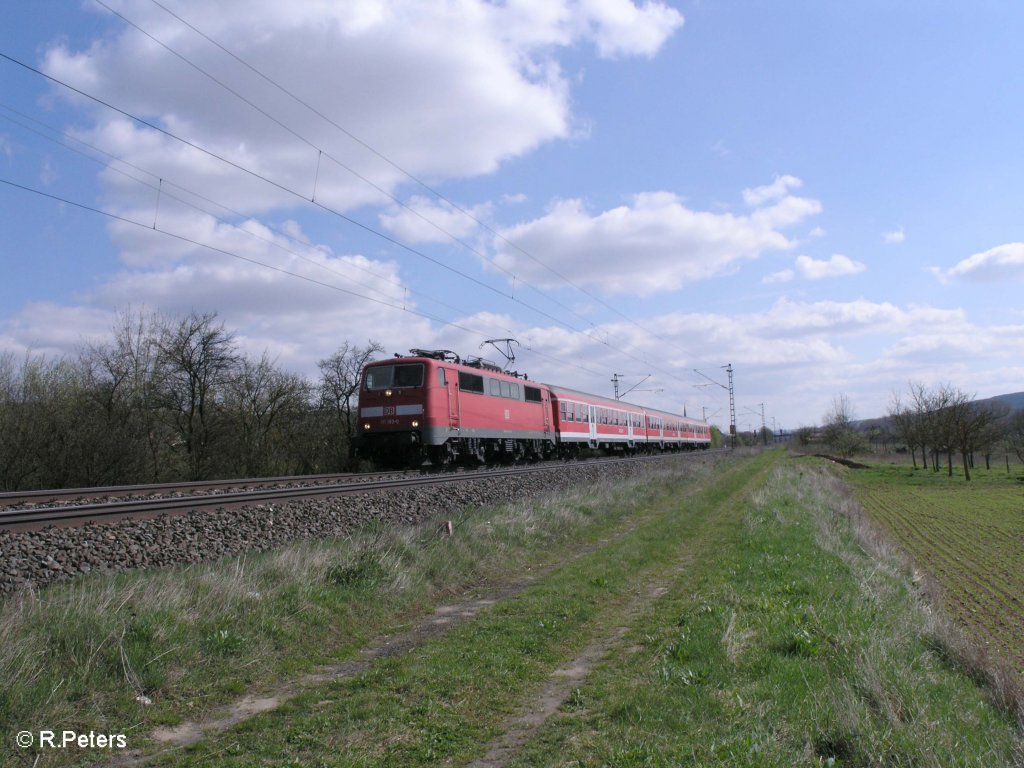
616 379
764 424
732 400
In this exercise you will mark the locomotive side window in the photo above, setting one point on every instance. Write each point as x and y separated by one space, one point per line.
441 378
471 382
494 387
533 396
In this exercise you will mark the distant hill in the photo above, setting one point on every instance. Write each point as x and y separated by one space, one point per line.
1015 400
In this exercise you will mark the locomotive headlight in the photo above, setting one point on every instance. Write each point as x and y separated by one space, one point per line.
366 426
387 393
415 424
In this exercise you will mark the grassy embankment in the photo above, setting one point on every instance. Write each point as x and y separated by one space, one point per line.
727 617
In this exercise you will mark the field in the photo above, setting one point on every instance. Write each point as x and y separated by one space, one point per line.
968 536
735 611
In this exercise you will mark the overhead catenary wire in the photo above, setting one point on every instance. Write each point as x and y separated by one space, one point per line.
284 188
325 208
412 177
257 262
322 153
162 182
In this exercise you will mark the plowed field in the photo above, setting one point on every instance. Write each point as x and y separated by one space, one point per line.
968 536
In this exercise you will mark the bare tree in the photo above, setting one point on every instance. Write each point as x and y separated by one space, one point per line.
838 430
197 357
1015 434
339 384
907 424
125 381
261 397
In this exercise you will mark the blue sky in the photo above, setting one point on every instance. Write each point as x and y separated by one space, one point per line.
825 195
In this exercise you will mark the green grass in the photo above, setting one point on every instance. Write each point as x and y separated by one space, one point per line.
77 656
738 615
791 647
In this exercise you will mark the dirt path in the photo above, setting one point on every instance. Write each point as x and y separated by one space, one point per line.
434 625
559 687
547 703
543 704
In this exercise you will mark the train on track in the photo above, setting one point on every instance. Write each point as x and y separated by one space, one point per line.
432 406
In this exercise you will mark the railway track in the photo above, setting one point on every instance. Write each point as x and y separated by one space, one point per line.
180 498
10 499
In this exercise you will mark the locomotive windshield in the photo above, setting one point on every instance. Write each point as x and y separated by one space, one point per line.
394 376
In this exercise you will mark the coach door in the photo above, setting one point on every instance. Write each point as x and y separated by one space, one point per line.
593 425
451 383
545 403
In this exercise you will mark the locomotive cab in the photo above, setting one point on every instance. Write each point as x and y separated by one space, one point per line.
393 402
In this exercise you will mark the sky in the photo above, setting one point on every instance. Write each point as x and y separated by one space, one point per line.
827 196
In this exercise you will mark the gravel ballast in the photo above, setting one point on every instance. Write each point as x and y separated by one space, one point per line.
36 558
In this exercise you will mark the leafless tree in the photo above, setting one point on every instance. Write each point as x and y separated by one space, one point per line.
838 430
339 383
1015 434
261 400
907 423
197 358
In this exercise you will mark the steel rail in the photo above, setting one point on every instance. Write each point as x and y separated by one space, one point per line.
12 498
75 514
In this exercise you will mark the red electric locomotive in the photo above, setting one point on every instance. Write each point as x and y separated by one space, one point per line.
437 407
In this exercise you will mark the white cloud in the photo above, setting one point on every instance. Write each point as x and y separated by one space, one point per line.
779 188
807 268
445 89
837 266
423 220
783 276
895 236
653 244
1004 262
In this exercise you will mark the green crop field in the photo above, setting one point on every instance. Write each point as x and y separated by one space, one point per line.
968 536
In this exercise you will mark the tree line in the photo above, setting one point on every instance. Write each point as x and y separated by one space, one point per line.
941 424
172 398
945 421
